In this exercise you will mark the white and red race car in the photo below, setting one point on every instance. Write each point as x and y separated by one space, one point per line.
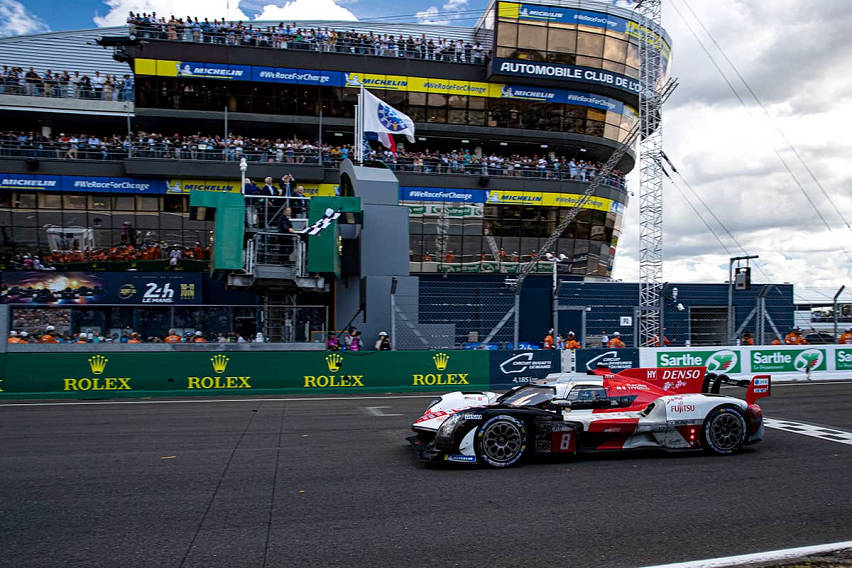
671 409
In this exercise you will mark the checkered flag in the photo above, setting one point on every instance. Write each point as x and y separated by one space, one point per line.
320 224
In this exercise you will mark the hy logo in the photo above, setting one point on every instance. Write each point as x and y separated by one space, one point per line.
807 360
334 361
721 361
441 360
220 363
97 364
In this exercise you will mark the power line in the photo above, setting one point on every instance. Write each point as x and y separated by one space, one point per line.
769 116
742 102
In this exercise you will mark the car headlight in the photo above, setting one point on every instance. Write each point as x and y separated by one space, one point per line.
445 432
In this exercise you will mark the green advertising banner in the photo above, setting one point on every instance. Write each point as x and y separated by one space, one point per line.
843 359
123 374
788 360
719 361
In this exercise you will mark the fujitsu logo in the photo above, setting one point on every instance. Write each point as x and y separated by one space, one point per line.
679 407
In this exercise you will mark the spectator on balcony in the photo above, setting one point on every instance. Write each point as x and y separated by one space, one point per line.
299 203
845 337
50 335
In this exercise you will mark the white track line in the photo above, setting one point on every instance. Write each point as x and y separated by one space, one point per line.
821 432
769 556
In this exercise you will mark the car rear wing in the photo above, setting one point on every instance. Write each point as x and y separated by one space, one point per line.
758 387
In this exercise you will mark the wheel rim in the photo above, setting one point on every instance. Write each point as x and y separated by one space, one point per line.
726 432
502 441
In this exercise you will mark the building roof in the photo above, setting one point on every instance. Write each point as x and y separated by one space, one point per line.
74 50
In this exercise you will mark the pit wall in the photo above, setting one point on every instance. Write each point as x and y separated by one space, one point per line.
110 373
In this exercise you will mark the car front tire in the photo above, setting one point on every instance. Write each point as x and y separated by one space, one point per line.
501 441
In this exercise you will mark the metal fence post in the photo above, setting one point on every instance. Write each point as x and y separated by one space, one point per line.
393 313
517 318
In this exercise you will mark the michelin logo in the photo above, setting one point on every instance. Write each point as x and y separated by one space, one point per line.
187 70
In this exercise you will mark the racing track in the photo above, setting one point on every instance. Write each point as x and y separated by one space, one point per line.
331 483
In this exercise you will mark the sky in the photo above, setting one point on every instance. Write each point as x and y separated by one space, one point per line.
760 140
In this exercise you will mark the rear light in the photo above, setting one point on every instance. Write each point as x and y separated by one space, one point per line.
755 418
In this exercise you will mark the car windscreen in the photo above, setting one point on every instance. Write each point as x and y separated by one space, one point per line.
528 396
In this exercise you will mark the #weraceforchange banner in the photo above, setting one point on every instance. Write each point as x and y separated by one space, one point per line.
86 184
53 288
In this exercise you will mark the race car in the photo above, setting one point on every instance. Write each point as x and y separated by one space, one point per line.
674 409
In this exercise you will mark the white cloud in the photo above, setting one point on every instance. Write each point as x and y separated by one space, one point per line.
430 16
118 10
15 19
442 17
793 58
229 9
306 10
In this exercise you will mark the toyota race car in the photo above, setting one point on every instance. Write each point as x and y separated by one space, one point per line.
568 413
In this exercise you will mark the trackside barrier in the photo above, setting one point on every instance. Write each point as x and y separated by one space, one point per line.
110 374
756 359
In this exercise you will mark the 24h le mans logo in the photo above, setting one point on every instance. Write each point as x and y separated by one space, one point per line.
722 361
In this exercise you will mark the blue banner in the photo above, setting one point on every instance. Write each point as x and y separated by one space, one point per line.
512 368
562 72
297 76
213 70
86 184
536 13
54 288
407 193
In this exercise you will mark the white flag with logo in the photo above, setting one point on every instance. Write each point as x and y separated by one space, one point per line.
380 117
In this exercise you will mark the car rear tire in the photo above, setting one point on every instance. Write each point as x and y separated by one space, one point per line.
501 441
724 431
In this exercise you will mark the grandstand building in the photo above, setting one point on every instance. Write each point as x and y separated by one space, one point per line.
513 117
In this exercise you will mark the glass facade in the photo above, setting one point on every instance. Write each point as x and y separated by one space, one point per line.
453 237
339 102
25 218
570 36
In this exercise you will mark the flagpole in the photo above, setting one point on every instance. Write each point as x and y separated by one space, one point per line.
355 148
360 140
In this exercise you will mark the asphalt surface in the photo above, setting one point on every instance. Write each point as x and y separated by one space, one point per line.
315 482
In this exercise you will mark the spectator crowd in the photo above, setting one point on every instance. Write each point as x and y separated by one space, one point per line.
104 87
296 151
323 39
49 334
120 253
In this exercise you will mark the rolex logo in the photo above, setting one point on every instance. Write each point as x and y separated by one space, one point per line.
334 361
220 362
441 360
97 363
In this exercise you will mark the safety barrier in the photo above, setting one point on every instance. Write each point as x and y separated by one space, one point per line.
110 374
163 371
